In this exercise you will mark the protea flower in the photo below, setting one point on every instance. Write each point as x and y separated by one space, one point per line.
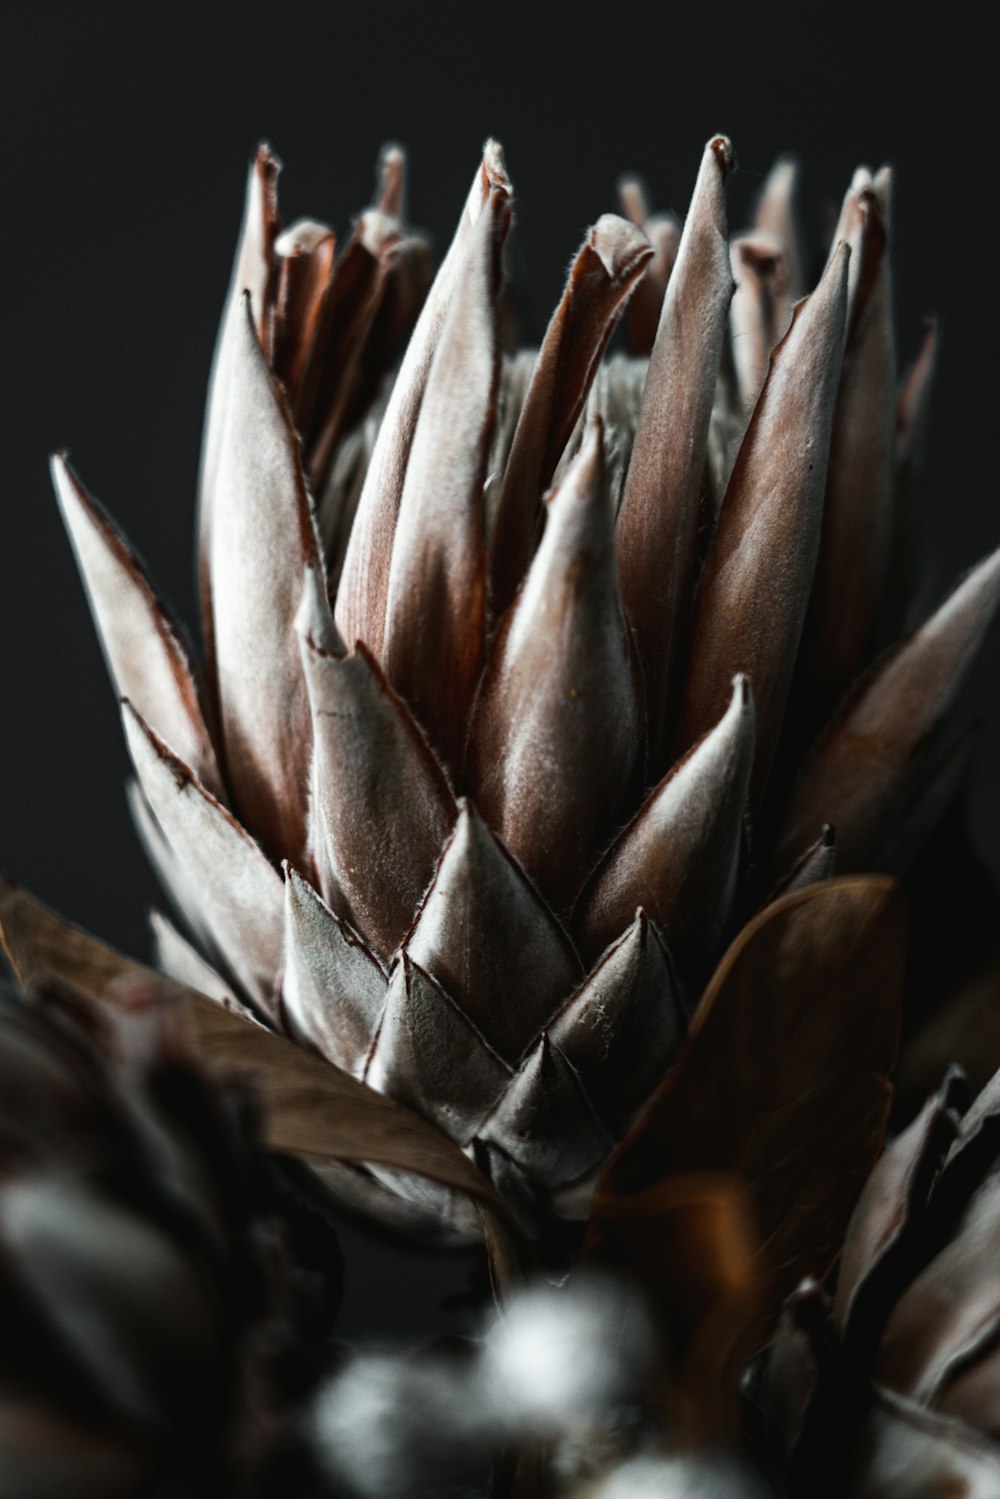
129 1282
500 653
892 1386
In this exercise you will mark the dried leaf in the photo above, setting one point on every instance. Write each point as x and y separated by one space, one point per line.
311 1108
782 1083
607 266
561 675
754 590
356 295
658 517
760 310
435 620
686 1242
950 1312
142 645
364 584
263 540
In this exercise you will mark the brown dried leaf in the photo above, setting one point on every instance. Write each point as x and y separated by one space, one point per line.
783 1080
364 584
561 674
142 645
311 1108
686 1242
605 270
658 516
754 590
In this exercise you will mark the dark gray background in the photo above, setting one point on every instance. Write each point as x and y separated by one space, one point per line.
126 128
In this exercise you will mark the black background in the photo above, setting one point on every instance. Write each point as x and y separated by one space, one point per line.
125 131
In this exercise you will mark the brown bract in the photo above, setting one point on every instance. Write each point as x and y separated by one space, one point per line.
561 675
607 267
362 596
754 591
657 522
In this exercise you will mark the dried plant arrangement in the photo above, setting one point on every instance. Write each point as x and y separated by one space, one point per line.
537 817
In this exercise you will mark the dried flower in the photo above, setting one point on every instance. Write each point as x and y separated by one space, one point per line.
503 737
893 1386
129 1279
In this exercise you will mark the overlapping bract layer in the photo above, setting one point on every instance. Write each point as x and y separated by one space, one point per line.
505 738
894 1384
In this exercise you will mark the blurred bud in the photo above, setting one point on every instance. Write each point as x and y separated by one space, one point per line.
681 1477
561 1359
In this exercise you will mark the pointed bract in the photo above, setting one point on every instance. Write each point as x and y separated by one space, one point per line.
621 1029
658 519
435 621
263 540
607 266
491 942
424 1036
864 765
544 1122
239 892
142 645
380 807
364 585
679 856
754 590
333 988
561 675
